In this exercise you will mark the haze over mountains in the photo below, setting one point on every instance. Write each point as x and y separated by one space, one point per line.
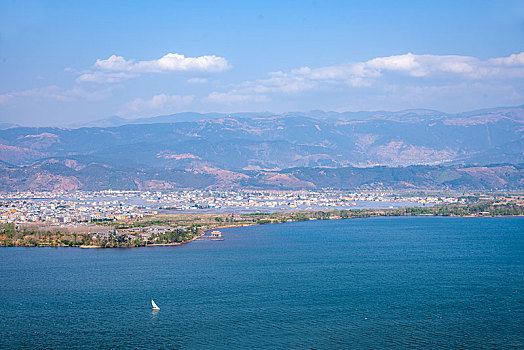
476 150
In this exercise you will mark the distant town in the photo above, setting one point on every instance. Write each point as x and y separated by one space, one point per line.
80 206
111 219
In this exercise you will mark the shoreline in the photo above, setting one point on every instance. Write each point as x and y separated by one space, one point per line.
307 216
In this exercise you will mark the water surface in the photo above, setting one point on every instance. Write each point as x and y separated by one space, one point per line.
421 282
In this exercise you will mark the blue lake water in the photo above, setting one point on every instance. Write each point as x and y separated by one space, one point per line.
420 282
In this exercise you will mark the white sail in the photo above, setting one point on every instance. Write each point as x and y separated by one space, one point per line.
155 306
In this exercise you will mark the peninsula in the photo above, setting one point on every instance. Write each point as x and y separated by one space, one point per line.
180 228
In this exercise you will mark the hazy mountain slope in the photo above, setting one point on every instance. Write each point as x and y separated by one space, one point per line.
70 174
401 138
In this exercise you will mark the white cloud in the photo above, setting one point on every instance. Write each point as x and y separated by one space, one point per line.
4 98
197 80
407 63
464 67
514 60
407 70
423 66
104 77
158 104
232 97
178 62
53 92
115 63
117 68
408 80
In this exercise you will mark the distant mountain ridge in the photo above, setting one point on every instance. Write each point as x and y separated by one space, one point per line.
162 119
241 146
68 174
419 114
8 125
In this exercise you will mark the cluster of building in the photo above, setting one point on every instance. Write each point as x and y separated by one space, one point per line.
62 210
84 206
281 200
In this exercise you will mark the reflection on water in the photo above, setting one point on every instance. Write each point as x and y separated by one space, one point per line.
154 313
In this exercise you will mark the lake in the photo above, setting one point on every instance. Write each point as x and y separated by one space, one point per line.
419 282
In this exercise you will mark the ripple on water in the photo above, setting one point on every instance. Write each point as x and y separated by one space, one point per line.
370 283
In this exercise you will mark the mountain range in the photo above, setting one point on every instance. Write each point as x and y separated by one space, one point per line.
481 149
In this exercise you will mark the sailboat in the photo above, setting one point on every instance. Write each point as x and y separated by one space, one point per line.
155 306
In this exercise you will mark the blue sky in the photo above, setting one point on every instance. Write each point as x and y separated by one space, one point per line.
67 62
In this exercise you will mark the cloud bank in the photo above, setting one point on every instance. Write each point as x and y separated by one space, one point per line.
158 104
53 92
117 68
449 82
382 75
